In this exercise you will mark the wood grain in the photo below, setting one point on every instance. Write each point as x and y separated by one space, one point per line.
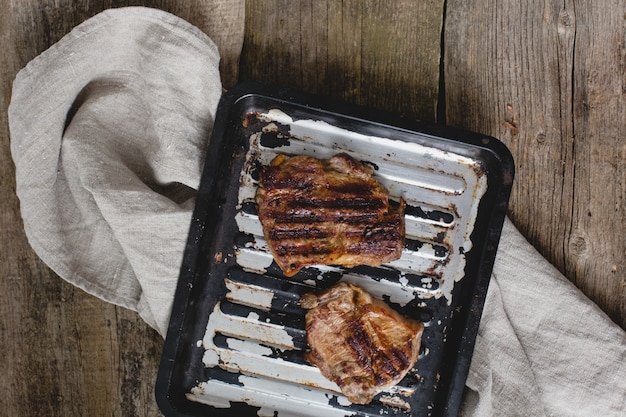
548 79
66 353
380 54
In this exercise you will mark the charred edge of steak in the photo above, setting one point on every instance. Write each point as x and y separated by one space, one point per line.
319 216
298 245
389 229
322 212
359 342
273 178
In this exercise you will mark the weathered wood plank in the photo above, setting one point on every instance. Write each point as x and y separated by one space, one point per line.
66 353
596 253
381 54
548 79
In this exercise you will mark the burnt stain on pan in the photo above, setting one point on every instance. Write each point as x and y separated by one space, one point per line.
255 170
440 237
275 135
414 245
434 215
255 343
251 122
245 122
374 166
271 139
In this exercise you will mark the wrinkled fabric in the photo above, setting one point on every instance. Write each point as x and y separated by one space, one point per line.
543 348
108 133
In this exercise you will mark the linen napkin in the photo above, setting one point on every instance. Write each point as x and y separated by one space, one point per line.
108 133
543 348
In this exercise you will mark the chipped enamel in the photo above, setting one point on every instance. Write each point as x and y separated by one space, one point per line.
431 179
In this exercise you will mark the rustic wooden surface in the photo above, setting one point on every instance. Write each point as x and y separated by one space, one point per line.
66 353
548 78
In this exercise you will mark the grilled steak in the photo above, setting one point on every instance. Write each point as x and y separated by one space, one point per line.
330 212
359 342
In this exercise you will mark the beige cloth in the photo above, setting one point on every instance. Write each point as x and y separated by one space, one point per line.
543 348
108 133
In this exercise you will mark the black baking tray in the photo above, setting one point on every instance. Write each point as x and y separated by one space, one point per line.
211 272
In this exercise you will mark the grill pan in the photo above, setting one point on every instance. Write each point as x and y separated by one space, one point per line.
236 338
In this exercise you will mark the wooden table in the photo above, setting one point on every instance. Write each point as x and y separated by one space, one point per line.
547 78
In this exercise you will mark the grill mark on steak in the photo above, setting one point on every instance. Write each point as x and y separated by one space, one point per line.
327 212
296 248
359 342
288 231
300 215
345 202
361 345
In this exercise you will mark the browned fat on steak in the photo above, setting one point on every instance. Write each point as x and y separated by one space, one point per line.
359 342
330 212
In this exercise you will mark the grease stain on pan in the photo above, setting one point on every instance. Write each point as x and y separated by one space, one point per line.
271 385
279 399
442 191
254 338
409 170
252 296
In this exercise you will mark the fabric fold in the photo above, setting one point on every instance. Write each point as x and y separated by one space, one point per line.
109 127
543 348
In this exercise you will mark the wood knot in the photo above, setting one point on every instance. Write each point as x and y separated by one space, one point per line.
510 120
541 137
577 245
566 21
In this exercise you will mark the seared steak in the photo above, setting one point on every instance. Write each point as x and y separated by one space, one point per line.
359 342
330 212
